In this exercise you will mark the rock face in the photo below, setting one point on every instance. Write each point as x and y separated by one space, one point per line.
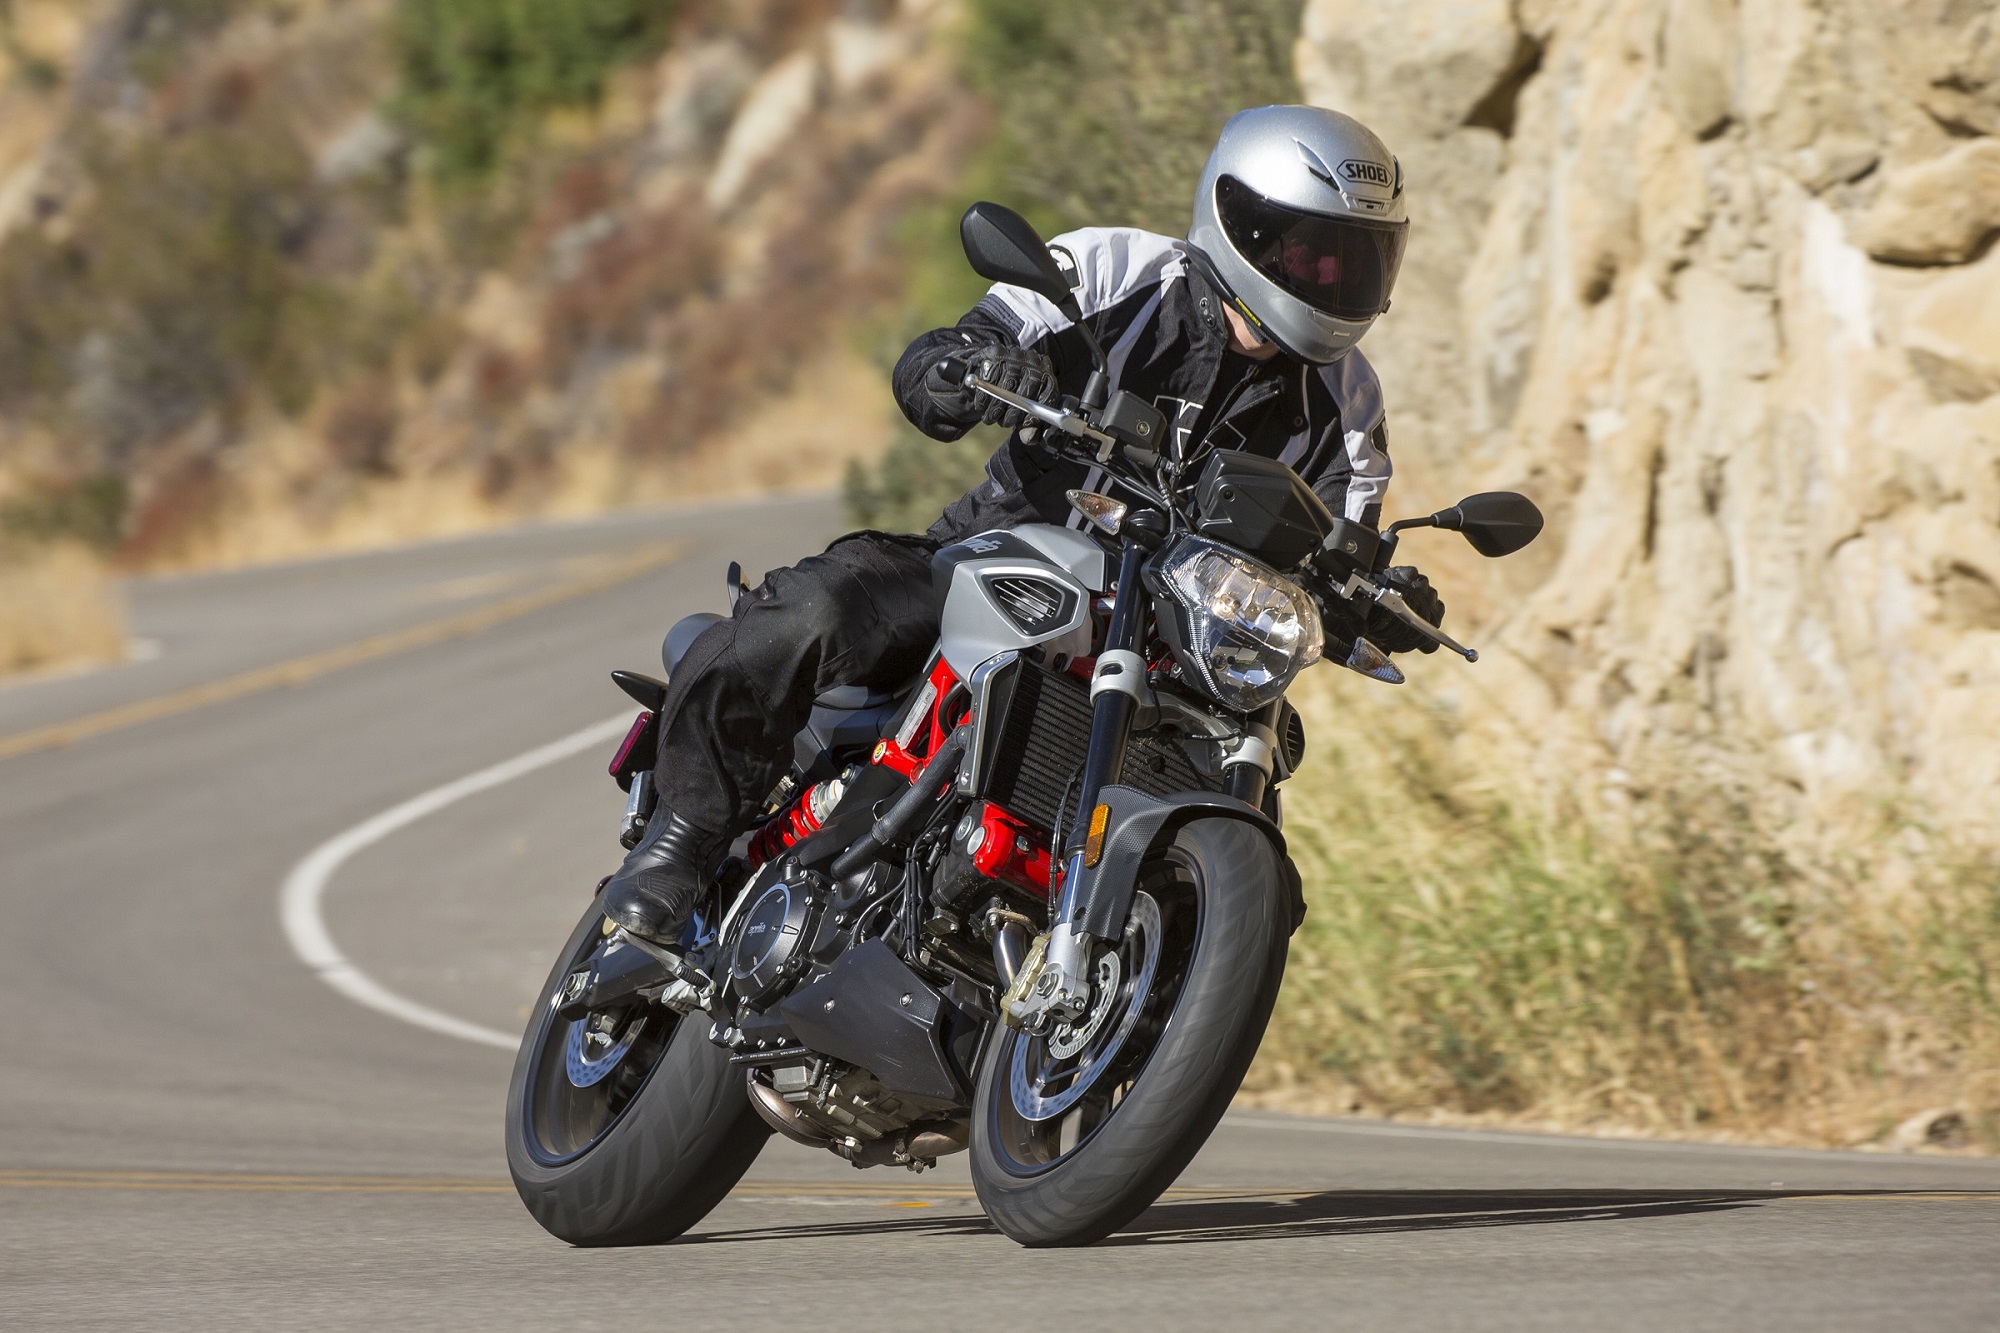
1715 283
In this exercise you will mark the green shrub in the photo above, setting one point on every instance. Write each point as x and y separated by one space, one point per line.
1107 111
90 511
915 480
472 71
1468 953
163 29
174 293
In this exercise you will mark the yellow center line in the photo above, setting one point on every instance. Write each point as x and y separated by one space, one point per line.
889 1193
298 670
1904 1196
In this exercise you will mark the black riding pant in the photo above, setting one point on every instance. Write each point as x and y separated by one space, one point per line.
865 612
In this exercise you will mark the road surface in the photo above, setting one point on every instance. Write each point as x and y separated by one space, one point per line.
201 1132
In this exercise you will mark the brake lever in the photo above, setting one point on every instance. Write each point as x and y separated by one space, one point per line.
1062 419
1057 418
1392 601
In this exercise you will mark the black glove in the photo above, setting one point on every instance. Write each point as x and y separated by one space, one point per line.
1388 631
1015 369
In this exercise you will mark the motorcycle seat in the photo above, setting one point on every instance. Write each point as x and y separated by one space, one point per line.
682 636
853 698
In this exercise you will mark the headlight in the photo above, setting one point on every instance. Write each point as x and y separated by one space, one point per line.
1250 629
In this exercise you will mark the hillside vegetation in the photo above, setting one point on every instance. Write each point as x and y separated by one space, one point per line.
280 276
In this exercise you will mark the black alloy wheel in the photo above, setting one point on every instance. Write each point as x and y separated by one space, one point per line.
1077 1131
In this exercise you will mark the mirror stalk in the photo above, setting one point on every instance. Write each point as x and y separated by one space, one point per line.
1096 389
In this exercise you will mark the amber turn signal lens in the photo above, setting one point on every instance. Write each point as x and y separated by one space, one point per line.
1093 846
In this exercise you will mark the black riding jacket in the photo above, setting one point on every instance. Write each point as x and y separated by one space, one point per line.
1161 324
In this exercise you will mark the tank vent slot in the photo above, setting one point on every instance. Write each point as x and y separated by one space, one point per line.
1036 606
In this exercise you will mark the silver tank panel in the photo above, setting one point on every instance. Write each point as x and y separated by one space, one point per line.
1083 558
1028 587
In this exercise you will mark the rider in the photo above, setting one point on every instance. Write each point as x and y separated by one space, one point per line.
1243 335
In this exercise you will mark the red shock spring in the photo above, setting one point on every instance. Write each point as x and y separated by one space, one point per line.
801 817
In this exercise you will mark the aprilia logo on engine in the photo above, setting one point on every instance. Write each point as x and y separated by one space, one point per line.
1367 173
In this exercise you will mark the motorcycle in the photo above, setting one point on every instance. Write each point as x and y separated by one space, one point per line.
1036 904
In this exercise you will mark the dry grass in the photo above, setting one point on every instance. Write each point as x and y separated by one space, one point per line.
58 608
837 409
1490 954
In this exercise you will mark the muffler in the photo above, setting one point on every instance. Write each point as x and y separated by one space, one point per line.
781 1115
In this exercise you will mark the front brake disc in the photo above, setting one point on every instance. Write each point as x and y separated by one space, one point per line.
1068 1039
589 1056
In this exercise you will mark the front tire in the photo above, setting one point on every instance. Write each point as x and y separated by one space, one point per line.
632 1153
1077 1133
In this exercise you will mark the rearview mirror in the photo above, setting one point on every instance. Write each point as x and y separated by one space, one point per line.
1001 245
1495 522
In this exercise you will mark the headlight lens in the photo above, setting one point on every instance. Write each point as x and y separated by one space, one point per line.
1251 629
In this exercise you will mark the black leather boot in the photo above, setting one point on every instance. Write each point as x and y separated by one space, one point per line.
655 891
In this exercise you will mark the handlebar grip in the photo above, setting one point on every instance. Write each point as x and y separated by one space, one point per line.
954 370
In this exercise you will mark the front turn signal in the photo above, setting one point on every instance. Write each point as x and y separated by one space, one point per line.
1093 846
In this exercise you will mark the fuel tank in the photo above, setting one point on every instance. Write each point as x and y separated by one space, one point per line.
1025 587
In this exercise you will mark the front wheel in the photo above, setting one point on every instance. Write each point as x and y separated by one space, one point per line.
623 1127
1075 1132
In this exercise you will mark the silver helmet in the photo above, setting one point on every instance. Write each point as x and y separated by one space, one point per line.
1300 214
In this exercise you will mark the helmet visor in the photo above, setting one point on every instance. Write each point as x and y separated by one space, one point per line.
1342 267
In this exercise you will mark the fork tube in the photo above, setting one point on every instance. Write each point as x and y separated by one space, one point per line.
1250 777
1111 713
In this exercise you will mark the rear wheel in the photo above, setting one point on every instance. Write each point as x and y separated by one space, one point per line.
624 1127
1075 1132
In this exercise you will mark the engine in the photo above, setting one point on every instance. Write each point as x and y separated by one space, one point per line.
829 1104
816 991
772 945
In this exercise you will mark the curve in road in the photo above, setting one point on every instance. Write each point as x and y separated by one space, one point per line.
300 899
201 1134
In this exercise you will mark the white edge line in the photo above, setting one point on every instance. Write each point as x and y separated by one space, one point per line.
300 899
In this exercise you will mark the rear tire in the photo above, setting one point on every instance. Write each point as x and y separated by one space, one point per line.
661 1159
1217 979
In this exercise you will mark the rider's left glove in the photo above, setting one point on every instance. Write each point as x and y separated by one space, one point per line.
1391 634
1015 369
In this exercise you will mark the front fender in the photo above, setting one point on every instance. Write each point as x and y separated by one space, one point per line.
1138 826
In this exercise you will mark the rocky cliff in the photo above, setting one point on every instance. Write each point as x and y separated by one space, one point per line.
1716 284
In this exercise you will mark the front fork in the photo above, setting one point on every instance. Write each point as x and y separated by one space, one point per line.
1059 990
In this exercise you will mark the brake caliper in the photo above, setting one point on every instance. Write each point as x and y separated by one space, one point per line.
1053 985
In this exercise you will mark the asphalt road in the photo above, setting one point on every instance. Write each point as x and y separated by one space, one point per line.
198 1132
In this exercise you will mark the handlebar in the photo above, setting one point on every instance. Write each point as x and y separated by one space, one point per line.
1066 420
1077 426
1392 601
